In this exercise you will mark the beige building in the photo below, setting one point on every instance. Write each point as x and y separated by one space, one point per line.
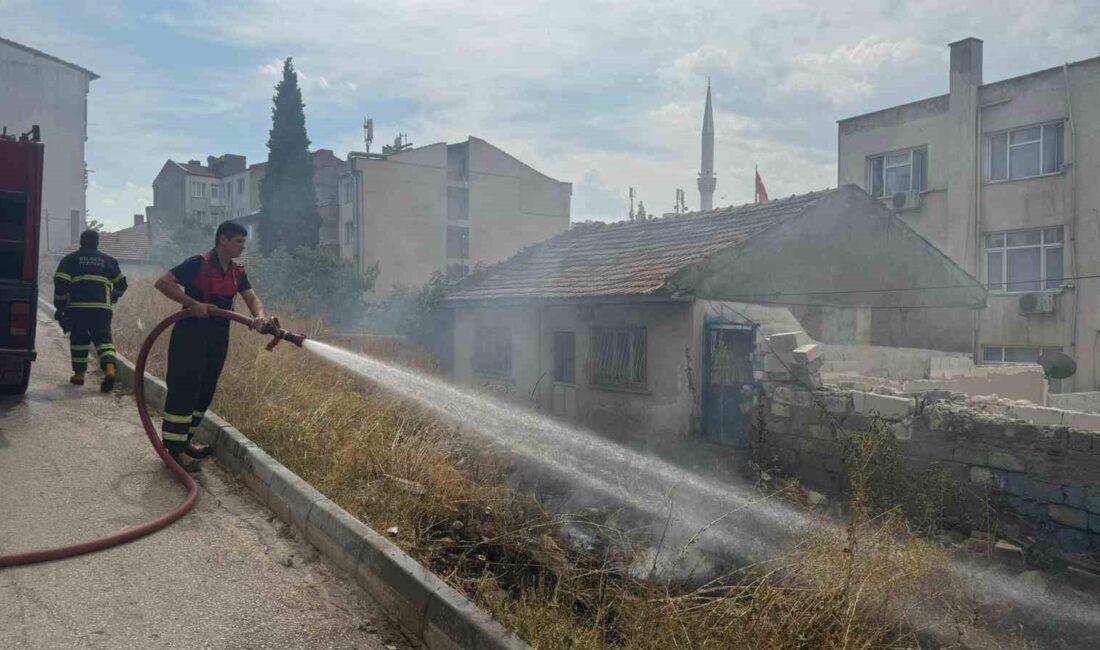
1004 177
40 89
444 207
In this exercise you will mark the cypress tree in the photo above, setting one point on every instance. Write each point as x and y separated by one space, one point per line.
289 201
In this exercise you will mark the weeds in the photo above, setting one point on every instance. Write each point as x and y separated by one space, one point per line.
392 465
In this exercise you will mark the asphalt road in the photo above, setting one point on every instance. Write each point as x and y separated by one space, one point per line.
75 465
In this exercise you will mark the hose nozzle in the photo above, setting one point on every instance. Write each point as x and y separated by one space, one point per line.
279 334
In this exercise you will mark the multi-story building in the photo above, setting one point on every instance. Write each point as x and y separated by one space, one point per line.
206 194
1004 178
37 88
227 187
444 207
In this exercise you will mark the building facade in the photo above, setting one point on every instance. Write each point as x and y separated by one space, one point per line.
37 88
1003 178
444 207
227 187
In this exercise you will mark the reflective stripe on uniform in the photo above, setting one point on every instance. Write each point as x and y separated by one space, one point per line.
63 276
117 278
178 419
173 437
80 346
93 278
105 346
89 305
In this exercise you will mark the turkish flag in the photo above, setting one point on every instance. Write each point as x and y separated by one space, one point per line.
761 191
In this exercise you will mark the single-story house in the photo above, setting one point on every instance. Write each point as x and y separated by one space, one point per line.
649 328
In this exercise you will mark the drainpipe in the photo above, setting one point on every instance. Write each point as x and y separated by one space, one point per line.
1073 218
357 184
976 343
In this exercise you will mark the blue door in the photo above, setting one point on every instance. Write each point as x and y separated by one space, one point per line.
727 383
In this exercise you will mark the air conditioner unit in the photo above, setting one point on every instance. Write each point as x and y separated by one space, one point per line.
1036 302
904 200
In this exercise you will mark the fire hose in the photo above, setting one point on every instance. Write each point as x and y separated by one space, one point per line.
130 534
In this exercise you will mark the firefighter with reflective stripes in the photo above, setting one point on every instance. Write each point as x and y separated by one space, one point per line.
199 343
87 285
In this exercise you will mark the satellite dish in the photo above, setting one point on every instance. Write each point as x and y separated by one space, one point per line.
1057 365
899 200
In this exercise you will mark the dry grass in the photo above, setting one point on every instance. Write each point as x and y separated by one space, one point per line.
392 465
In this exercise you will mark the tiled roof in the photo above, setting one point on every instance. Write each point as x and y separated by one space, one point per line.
129 244
624 258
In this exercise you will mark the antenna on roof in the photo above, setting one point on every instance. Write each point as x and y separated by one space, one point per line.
681 205
368 132
632 204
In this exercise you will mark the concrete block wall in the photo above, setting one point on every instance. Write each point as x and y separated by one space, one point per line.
1040 465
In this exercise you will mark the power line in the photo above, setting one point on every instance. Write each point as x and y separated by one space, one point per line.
896 290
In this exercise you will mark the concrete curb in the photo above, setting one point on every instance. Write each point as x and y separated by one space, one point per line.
430 610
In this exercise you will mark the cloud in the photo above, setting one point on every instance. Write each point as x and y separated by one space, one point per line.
847 73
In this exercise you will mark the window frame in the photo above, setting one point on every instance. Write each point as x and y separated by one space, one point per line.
638 371
915 184
198 189
560 361
1008 146
1004 248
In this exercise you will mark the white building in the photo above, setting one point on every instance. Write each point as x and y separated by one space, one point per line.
1004 178
37 88
444 207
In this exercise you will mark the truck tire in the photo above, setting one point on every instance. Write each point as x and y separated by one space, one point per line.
20 387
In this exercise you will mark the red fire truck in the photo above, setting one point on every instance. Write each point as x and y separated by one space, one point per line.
20 204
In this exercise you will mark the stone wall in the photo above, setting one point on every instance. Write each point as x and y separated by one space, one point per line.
1040 466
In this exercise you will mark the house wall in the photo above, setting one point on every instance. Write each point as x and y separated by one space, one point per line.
403 210
1038 466
38 90
169 196
662 410
948 126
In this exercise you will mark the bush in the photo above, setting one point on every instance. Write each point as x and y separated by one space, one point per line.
409 311
314 283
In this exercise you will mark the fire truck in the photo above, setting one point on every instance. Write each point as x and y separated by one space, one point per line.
20 205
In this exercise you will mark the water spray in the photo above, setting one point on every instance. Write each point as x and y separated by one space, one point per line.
272 328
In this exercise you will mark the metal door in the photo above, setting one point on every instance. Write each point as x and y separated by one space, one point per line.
727 383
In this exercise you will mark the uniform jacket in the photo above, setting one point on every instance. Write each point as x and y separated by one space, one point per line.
88 279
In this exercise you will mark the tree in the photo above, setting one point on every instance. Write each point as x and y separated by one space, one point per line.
289 214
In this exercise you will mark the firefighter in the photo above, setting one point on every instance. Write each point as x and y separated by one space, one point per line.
197 349
87 285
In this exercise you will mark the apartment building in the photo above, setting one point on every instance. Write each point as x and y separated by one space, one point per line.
444 207
1004 178
37 88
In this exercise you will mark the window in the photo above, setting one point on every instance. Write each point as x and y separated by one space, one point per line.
1026 152
458 204
214 191
565 352
240 186
197 189
348 191
619 356
1024 260
1003 354
349 231
492 350
901 171
229 189
456 271
458 242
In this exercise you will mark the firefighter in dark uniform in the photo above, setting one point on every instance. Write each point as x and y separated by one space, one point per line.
197 349
87 285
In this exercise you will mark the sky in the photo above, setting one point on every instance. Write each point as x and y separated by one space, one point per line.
605 94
